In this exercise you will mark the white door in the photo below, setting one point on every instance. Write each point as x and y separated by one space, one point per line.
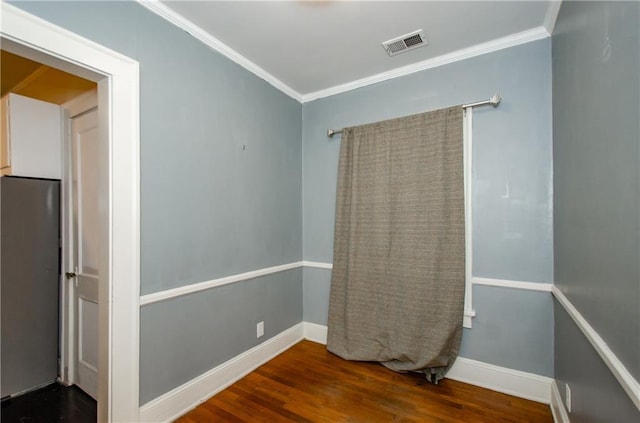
84 191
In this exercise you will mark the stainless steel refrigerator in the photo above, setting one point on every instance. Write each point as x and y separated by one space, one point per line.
29 282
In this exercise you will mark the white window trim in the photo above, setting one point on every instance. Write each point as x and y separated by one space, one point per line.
469 312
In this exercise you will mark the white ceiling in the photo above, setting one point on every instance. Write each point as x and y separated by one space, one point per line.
310 49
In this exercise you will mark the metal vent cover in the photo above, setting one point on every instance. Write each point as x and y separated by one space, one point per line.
405 42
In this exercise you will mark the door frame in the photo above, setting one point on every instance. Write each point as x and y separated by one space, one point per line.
118 100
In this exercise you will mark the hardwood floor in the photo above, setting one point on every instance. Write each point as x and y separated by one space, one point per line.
309 384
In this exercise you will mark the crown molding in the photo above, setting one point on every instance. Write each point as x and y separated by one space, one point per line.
552 15
523 37
200 34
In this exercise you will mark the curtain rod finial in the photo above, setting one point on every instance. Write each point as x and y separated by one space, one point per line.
495 100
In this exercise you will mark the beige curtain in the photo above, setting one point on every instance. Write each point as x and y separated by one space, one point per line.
397 290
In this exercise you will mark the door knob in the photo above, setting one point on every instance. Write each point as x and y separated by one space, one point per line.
70 275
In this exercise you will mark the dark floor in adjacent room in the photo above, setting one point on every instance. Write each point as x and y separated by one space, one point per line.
53 403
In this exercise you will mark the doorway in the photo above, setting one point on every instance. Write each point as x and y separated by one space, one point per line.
49 145
118 190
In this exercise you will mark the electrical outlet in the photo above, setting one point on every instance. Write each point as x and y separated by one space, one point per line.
567 398
260 329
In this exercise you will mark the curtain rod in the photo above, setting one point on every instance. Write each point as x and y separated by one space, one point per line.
494 101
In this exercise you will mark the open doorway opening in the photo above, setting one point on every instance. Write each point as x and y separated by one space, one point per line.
50 245
117 79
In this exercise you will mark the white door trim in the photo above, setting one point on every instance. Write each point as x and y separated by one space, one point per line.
118 100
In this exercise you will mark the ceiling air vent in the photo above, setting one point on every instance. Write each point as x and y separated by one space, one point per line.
405 42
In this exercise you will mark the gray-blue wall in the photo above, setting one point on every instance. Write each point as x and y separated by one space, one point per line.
512 211
596 395
227 187
211 327
220 191
596 115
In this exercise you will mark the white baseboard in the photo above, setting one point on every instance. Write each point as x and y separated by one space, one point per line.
501 379
175 403
314 332
560 414
513 382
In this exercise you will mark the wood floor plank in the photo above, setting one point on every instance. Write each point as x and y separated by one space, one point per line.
309 384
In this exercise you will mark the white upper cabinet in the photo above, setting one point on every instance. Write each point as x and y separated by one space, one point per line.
31 138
